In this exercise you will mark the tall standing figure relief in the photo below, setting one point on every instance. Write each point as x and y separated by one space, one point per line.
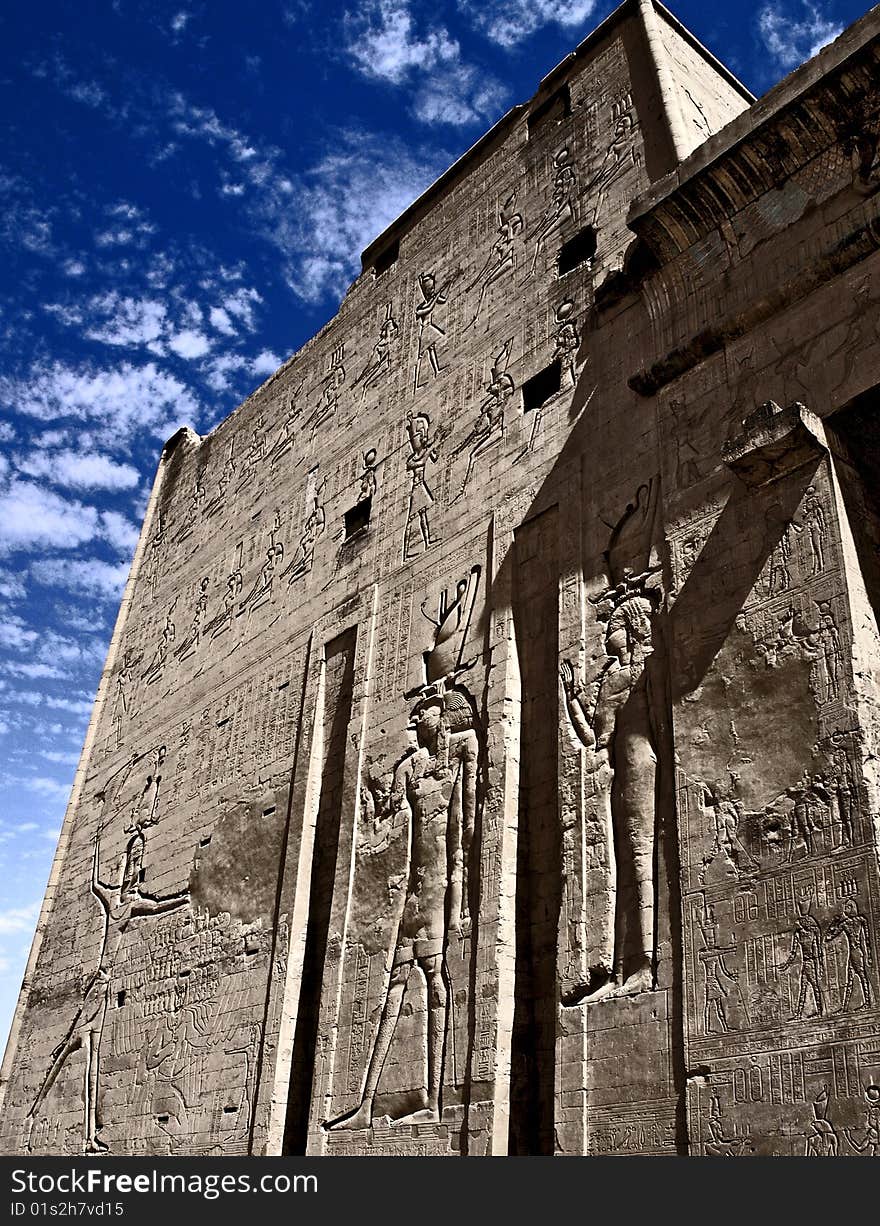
435 787
618 720
121 903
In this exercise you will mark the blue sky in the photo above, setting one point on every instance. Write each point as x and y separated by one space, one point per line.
185 190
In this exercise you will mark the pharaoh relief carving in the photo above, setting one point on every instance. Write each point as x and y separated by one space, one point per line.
501 260
423 443
489 426
263 586
121 903
379 362
432 328
621 153
331 389
224 480
562 207
618 716
304 559
434 787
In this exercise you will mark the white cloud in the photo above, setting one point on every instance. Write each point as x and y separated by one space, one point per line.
62 757
122 403
89 576
179 21
128 321
15 634
384 44
7 432
189 344
89 471
35 670
220 320
119 531
265 363
19 919
794 33
73 268
75 706
31 516
348 198
241 303
508 22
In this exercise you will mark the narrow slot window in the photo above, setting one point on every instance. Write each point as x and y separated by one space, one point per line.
357 518
543 385
578 250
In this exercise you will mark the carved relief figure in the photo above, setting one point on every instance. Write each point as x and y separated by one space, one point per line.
422 451
223 619
489 426
813 515
254 456
379 361
284 441
869 1145
190 644
430 331
502 258
565 348
562 204
852 928
166 638
120 903
194 509
124 680
721 1146
227 473
718 977
331 388
618 723
265 580
620 154
806 941
821 1141
435 787
304 558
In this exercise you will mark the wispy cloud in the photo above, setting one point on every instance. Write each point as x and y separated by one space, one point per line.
90 471
19 919
386 43
87 576
795 32
345 201
34 517
508 22
118 403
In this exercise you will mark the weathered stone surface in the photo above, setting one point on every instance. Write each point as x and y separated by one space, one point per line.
486 756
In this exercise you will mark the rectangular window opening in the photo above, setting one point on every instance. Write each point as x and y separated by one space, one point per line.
553 110
268 812
578 250
543 385
386 258
120 999
358 517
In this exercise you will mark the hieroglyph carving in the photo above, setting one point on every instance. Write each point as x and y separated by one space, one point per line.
423 450
304 558
435 788
502 258
431 331
489 426
562 207
618 722
120 903
379 361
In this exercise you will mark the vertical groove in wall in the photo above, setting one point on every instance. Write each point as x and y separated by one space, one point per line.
337 714
539 891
